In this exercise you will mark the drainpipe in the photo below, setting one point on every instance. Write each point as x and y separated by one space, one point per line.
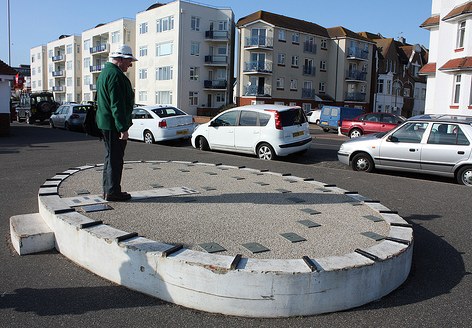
336 78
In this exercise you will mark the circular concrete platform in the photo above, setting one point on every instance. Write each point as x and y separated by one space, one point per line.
230 240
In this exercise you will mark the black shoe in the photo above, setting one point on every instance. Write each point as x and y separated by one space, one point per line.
121 197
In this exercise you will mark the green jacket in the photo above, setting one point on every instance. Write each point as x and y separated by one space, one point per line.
115 99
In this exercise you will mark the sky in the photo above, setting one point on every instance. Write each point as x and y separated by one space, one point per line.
34 23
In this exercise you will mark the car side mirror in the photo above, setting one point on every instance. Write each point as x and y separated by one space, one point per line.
392 139
213 123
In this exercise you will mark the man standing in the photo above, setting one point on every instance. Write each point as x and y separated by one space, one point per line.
115 101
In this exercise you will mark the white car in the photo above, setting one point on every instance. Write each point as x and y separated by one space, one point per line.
160 123
314 116
265 130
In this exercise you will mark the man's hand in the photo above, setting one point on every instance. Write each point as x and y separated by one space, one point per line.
124 135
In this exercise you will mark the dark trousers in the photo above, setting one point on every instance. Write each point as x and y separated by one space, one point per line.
113 165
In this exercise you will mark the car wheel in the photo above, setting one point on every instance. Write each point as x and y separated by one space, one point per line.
51 123
317 122
355 133
325 129
29 120
362 162
148 137
464 176
202 144
66 126
265 152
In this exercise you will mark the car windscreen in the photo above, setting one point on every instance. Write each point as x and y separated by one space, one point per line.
293 116
80 109
167 112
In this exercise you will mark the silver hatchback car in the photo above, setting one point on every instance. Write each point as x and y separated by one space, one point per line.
432 144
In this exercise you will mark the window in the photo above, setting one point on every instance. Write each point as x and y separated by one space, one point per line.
193 98
69 49
457 88
33 71
282 35
87 62
223 25
143 28
296 37
322 87
324 44
248 118
195 23
389 87
143 51
280 83
323 65
447 134
32 58
293 85
406 92
50 53
306 107
227 119
142 96
410 132
163 97
68 65
194 73
294 61
86 45
78 81
39 84
115 37
39 56
460 34
380 86
281 59
143 73
164 49
220 97
39 70
165 24
69 82
164 73
195 48
87 80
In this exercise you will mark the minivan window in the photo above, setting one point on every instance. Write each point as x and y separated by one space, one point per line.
263 119
226 119
293 116
248 118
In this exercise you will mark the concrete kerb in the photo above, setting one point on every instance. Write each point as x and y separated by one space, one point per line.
232 285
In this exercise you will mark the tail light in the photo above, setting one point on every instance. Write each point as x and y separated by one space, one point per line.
162 124
278 123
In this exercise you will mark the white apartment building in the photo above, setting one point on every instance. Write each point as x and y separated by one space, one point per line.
185 56
38 64
449 69
97 43
63 68
284 60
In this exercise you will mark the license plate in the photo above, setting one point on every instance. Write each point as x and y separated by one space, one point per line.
182 132
297 134
324 123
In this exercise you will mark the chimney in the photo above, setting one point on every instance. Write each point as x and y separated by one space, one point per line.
402 40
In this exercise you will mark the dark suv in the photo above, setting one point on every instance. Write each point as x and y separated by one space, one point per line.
36 106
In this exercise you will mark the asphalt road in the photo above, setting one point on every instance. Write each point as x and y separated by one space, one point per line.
48 290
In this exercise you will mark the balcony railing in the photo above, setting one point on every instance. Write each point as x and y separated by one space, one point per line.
99 48
216 60
356 75
215 84
93 87
58 73
260 67
308 93
255 90
355 96
309 47
309 70
57 88
217 35
57 58
97 68
354 52
259 42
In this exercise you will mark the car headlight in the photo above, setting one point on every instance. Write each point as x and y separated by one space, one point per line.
342 147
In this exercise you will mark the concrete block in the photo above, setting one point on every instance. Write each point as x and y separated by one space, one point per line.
30 234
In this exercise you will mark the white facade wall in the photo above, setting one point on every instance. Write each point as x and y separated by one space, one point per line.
175 54
38 65
97 43
64 79
440 86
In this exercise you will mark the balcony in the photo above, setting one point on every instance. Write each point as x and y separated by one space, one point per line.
215 84
58 58
258 67
309 70
58 88
259 42
97 68
58 73
255 90
357 53
217 35
309 47
216 60
355 96
93 87
355 75
99 48
308 93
